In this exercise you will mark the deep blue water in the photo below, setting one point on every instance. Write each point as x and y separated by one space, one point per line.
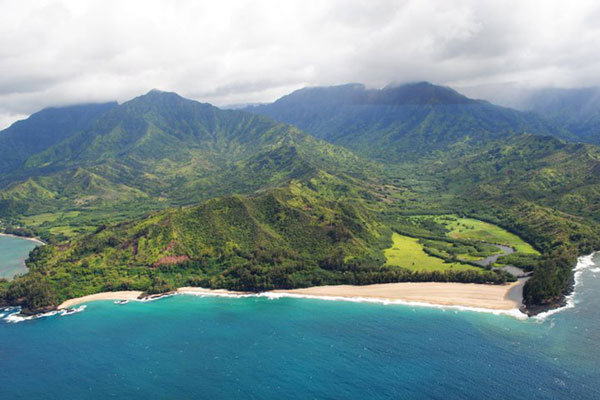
188 347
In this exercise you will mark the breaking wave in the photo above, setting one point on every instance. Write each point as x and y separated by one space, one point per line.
13 316
275 296
583 263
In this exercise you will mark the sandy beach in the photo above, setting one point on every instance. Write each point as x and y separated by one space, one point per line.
493 297
214 292
134 295
37 240
124 295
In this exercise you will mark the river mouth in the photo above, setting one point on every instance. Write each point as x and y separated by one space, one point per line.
511 269
484 262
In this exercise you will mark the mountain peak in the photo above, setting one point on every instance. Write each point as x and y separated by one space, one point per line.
156 93
421 93
326 95
161 93
162 99
417 93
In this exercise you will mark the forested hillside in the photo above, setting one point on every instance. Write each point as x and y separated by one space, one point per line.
163 191
321 231
401 123
43 130
159 150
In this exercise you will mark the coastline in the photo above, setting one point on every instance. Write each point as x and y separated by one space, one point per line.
36 240
199 291
122 295
469 295
567 299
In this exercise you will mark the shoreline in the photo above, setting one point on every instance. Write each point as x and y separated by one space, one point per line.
470 295
121 295
484 297
32 239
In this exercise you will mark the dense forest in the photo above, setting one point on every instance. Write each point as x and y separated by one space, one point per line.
161 192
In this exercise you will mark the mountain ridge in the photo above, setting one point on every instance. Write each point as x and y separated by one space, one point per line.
43 129
396 123
421 150
161 145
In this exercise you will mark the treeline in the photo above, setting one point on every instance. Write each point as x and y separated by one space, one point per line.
560 238
552 278
33 292
39 291
11 207
18 231
251 277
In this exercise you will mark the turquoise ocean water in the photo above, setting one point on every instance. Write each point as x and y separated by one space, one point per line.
13 252
187 347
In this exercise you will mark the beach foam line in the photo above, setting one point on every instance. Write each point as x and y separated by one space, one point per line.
201 292
583 263
204 292
515 312
66 308
15 317
154 297
229 295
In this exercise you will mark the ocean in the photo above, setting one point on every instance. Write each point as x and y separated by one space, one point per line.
188 347
13 252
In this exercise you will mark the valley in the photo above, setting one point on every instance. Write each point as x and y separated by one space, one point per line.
408 183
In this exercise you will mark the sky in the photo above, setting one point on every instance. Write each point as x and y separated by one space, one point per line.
56 53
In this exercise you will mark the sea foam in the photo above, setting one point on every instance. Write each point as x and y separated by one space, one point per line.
15 316
154 298
583 263
515 313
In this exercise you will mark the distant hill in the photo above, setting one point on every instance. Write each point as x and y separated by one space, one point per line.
162 127
43 130
402 122
160 149
292 236
578 110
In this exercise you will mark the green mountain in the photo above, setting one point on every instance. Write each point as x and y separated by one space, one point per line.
161 149
283 237
459 154
540 187
539 169
163 191
324 230
401 123
42 130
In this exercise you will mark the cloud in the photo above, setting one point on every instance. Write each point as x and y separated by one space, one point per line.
70 51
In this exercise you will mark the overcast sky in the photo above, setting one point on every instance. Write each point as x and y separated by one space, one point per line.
224 52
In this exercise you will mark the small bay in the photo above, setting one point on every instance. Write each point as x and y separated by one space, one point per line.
13 252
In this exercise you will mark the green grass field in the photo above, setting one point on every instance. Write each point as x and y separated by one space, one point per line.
37 220
67 224
407 252
474 229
